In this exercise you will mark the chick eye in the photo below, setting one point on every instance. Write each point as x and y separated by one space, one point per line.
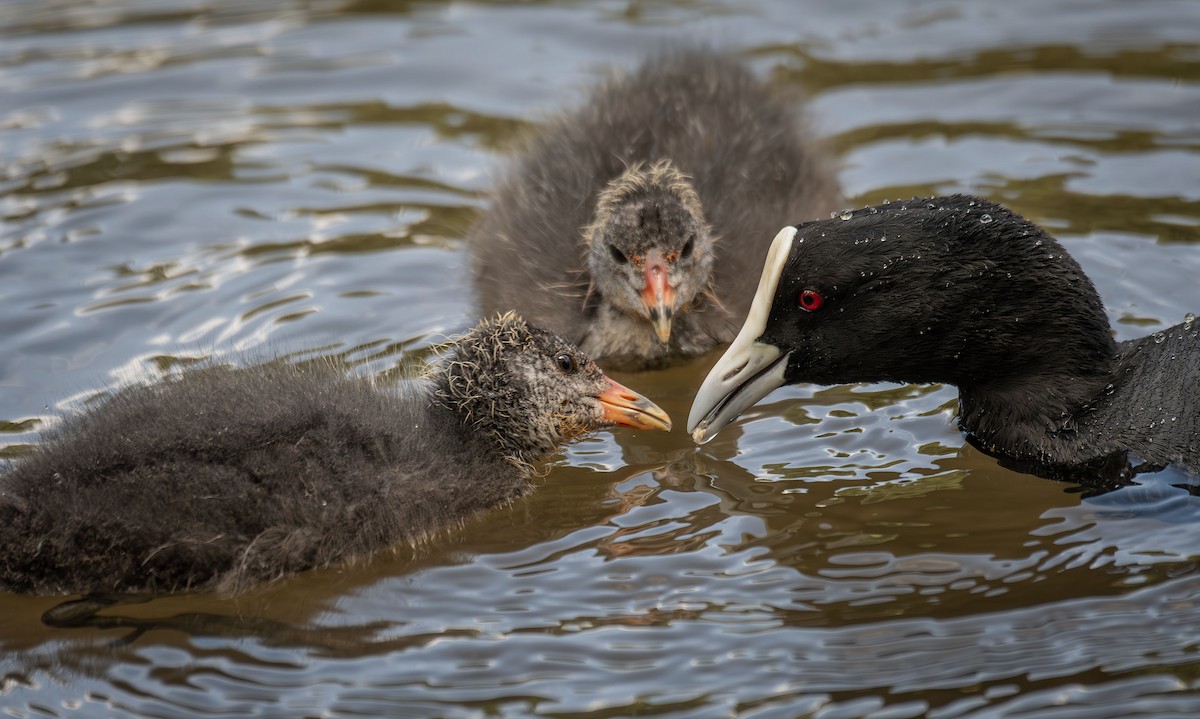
566 362
617 254
686 252
811 300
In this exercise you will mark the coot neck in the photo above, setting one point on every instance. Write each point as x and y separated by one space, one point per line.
1031 410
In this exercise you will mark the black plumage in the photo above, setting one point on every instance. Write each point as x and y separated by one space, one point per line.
223 478
963 291
636 223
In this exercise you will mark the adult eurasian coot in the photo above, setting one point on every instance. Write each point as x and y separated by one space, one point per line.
963 291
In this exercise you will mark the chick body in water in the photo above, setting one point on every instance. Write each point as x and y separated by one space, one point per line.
636 223
228 477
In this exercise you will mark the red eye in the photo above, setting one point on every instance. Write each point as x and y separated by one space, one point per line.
811 300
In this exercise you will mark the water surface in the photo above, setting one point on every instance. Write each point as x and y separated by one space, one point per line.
188 179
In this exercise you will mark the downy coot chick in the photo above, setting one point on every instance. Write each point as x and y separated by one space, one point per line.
636 224
963 291
225 477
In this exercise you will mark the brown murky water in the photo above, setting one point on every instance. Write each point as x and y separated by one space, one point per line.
184 178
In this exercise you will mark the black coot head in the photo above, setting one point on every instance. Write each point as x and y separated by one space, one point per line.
951 289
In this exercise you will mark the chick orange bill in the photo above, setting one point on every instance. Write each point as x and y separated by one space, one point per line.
624 407
658 295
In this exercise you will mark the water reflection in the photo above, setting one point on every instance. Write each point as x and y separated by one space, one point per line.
733 647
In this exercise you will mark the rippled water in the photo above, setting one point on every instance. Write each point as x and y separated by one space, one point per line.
182 179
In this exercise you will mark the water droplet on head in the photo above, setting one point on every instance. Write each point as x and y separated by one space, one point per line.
1159 337
1188 319
846 214
985 219
1037 244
